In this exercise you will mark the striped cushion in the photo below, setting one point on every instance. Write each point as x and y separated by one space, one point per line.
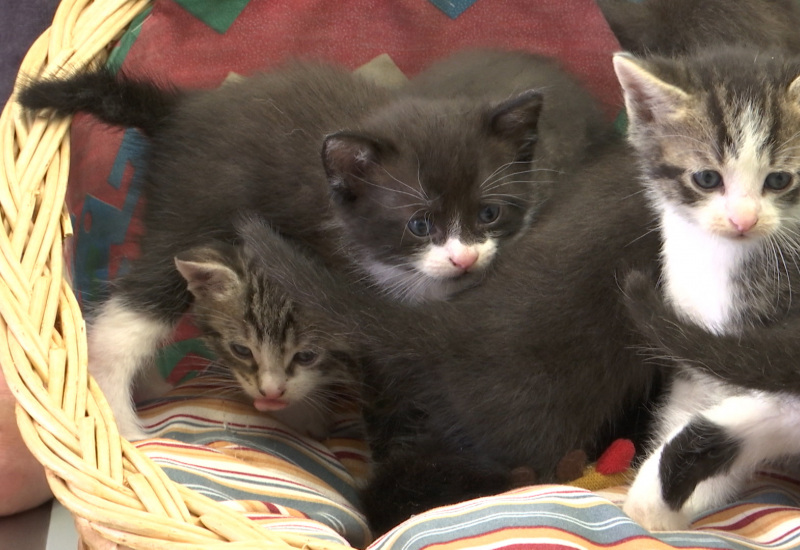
209 438
558 517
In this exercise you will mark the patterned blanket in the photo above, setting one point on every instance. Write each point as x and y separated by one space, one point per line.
217 444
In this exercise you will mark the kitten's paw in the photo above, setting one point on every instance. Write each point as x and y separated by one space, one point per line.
645 504
150 385
317 434
652 513
653 317
318 428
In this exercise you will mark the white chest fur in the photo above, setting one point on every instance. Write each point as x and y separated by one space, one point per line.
699 268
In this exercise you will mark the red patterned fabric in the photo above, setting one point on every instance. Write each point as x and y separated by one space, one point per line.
175 46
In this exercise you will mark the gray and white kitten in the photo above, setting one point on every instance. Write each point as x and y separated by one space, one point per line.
717 135
274 348
426 214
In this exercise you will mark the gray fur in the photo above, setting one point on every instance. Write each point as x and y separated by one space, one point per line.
254 145
679 27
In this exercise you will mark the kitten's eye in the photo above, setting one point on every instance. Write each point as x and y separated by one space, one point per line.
421 227
489 213
778 181
242 351
707 179
305 357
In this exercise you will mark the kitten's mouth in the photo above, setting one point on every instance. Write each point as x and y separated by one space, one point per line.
736 236
265 404
457 273
461 271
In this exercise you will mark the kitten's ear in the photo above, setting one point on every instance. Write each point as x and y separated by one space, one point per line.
647 97
517 119
208 273
348 157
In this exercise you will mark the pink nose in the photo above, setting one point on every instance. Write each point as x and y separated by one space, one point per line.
272 393
464 258
743 223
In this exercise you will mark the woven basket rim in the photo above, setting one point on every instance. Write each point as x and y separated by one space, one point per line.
119 498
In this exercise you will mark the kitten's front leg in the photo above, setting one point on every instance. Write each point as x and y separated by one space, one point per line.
704 464
121 340
645 503
741 433
694 471
699 468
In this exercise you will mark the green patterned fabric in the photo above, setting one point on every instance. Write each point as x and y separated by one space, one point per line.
124 45
217 15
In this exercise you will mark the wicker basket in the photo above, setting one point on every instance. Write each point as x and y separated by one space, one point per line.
118 496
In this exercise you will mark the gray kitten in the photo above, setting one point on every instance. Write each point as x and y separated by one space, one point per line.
459 198
537 361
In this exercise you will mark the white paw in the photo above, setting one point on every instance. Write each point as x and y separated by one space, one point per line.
644 503
317 428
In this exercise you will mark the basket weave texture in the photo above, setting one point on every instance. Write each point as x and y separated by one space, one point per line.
119 498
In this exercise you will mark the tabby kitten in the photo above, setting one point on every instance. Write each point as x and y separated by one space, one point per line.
424 191
540 359
679 27
273 348
717 135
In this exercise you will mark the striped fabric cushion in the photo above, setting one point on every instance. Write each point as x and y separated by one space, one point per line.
557 517
207 437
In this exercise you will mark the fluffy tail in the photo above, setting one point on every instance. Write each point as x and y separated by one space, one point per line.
113 99
760 358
